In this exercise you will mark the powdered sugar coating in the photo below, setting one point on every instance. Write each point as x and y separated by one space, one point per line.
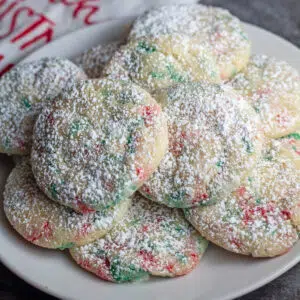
98 143
222 33
93 60
213 142
150 239
24 91
261 218
272 87
48 224
155 63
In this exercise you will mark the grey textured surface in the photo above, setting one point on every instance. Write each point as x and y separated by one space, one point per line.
279 16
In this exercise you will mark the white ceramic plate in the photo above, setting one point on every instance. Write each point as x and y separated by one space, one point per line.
220 275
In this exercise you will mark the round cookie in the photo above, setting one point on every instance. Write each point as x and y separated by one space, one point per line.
213 141
48 224
222 32
24 91
260 218
160 62
150 240
98 143
272 87
93 60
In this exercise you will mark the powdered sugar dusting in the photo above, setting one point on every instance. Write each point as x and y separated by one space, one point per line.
272 87
261 218
93 60
223 32
23 93
214 141
155 63
46 223
97 144
151 239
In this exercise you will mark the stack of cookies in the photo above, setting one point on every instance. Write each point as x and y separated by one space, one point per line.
179 137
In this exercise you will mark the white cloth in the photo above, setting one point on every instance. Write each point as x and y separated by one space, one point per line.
26 25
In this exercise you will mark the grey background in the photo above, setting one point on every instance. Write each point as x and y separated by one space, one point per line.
279 16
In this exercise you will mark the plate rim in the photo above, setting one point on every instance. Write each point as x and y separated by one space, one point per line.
230 295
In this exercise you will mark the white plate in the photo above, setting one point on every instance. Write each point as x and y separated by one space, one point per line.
220 275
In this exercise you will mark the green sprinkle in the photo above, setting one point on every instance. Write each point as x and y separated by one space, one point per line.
175 197
158 75
258 201
26 103
135 221
179 229
144 46
294 148
234 72
213 74
256 109
243 35
53 190
7 143
122 273
248 144
173 74
202 244
182 258
66 246
74 128
294 135
220 163
131 143
77 126
268 157
106 93
250 179
100 253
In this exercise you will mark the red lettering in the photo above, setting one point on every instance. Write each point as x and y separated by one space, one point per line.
9 8
6 69
31 27
92 10
82 5
48 34
13 23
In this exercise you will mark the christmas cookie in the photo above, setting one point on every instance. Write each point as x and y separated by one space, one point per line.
97 144
150 240
272 87
48 224
24 91
222 32
93 60
213 142
160 62
260 218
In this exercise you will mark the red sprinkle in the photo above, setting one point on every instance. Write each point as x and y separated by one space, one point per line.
194 257
50 119
85 228
170 268
286 214
148 112
241 191
82 207
236 242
